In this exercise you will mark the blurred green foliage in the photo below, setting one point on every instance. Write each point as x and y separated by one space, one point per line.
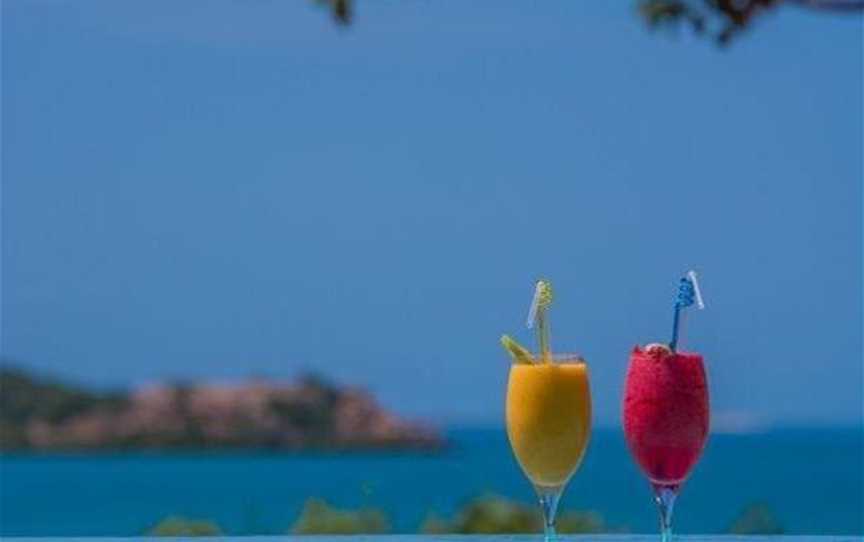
491 514
581 522
756 518
318 517
488 514
178 526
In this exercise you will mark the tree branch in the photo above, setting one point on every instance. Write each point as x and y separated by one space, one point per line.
830 5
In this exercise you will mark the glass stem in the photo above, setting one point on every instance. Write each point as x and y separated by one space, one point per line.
664 496
549 504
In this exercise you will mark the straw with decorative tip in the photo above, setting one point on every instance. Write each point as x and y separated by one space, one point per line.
537 316
688 294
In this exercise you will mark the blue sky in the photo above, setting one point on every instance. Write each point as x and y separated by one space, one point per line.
233 188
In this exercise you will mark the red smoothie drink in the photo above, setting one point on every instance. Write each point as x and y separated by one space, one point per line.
665 412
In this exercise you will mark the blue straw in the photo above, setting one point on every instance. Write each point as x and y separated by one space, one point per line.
685 298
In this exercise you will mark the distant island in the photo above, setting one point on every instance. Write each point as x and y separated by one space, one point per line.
309 413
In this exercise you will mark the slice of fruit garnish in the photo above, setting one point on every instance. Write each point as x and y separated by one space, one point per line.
657 346
658 350
519 353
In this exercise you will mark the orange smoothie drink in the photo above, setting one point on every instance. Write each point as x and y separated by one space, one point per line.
548 410
549 418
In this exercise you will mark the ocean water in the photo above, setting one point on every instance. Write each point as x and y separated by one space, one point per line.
812 480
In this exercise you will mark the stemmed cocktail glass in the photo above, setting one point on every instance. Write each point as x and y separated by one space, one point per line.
548 412
666 411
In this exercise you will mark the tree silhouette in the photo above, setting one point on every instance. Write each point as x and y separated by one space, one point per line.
721 20
341 10
724 19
